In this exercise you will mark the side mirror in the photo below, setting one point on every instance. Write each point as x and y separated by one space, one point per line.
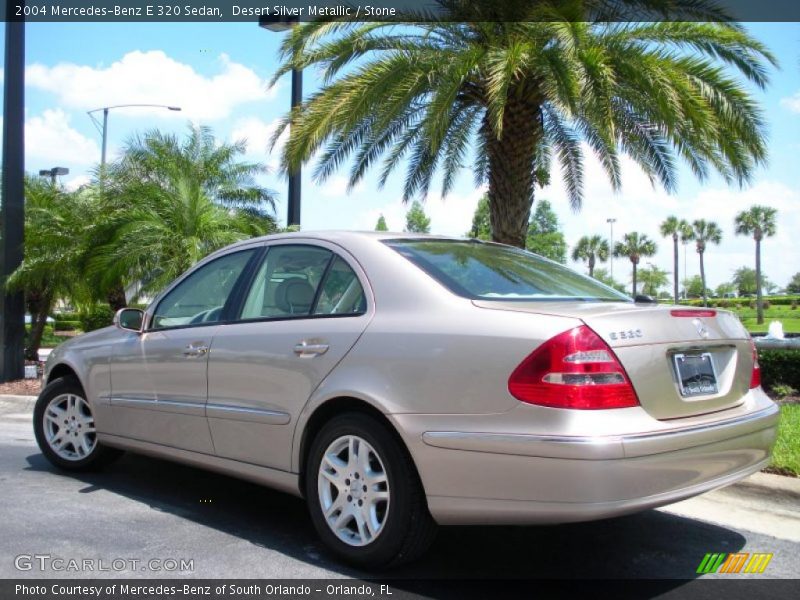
129 319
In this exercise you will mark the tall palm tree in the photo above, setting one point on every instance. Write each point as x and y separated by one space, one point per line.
672 226
520 84
704 233
591 249
758 221
54 225
635 245
175 201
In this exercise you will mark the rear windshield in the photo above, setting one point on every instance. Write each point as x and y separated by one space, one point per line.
484 271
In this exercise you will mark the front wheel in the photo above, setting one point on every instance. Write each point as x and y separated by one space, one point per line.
64 426
364 495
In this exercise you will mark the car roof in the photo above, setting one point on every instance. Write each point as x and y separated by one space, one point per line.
343 236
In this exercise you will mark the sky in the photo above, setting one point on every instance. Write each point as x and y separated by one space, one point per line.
218 73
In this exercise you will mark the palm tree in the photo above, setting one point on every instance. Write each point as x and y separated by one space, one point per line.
54 225
672 226
518 85
703 233
634 245
591 249
173 203
653 279
758 221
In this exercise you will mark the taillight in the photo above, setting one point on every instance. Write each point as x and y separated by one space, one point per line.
575 369
755 377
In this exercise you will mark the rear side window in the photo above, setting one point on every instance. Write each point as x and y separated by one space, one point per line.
286 284
341 292
484 271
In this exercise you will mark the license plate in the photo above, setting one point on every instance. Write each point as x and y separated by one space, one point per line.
696 375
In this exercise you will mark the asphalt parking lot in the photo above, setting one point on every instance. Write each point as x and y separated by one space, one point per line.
147 509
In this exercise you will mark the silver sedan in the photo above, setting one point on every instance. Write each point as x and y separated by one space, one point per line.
397 382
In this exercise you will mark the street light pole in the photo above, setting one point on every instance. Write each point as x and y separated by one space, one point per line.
105 137
103 128
12 188
611 222
278 24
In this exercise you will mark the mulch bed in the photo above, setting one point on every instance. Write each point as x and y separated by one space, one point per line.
21 387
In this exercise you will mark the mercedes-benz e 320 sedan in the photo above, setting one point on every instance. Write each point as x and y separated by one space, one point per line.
398 381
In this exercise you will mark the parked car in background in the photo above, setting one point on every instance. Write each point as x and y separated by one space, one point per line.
399 381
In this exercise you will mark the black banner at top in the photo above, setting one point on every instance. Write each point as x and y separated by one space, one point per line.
288 11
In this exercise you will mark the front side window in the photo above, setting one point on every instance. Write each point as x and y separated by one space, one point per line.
483 271
200 298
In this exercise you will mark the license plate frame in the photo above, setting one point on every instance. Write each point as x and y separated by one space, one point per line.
696 374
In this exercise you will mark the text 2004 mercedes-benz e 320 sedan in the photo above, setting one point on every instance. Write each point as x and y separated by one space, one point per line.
399 381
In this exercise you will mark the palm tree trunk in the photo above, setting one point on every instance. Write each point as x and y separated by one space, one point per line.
511 178
634 279
759 297
703 279
675 264
591 265
38 323
116 297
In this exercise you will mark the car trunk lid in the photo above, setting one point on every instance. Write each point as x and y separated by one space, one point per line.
681 361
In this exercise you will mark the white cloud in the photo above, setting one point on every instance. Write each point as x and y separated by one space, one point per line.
792 102
152 78
258 134
73 183
50 141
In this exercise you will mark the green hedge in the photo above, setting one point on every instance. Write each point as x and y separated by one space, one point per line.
743 302
97 317
67 325
780 366
66 316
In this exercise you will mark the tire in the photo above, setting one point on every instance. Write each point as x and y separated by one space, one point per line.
384 489
79 449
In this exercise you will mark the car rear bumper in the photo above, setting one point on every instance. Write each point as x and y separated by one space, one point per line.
478 477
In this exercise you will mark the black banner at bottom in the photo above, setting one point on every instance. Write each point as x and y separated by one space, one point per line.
390 589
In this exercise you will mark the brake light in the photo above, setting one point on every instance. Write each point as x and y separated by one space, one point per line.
755 377
693 313
575 369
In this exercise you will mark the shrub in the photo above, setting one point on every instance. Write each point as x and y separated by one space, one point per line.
781 390
766 304
65 325
97 317
780 367
66 316
794 304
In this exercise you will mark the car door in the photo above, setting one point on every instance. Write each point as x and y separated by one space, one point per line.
305 308
159 377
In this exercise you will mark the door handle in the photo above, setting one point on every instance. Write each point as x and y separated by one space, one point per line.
310 348
195 349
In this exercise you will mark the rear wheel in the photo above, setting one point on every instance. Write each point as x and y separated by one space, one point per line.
64 426
364 495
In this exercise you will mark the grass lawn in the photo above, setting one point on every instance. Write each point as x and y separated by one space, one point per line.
786 455
790 318
49 338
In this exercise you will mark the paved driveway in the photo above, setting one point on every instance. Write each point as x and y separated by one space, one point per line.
150 509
